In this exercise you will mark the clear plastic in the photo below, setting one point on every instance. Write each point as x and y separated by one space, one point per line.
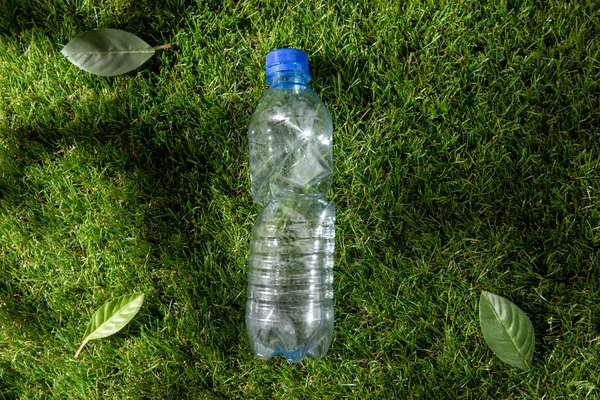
289 306
290 141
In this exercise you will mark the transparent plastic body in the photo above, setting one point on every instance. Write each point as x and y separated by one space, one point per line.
289 307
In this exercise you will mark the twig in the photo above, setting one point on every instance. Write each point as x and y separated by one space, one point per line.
79 349
163 47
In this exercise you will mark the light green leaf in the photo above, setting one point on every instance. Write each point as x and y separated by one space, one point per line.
507 330
112 317
108 52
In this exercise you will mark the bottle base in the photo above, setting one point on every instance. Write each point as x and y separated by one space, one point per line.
294 355
269 343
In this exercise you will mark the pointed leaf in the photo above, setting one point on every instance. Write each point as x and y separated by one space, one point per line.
108 52
112 317
507 330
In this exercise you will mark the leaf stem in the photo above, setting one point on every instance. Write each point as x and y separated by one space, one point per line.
163 47
79 349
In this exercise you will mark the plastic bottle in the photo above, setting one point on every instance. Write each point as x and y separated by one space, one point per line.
289 307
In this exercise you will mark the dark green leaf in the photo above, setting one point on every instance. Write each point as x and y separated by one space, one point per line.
108 52
507 330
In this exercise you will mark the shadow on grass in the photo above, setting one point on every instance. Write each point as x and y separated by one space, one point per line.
174 163
176 166
146 17
339 77
452 201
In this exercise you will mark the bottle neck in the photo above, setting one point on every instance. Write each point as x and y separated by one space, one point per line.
288 77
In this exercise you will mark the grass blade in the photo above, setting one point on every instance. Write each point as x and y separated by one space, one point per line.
108 52
112 317
507 330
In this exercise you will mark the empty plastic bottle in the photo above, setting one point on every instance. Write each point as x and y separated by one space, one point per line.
289 307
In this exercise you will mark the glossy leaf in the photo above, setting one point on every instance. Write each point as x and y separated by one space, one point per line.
507 330
112 317
108 52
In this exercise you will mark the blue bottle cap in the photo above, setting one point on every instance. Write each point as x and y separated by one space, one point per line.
286 59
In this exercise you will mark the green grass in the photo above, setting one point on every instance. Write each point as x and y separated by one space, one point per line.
467 159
